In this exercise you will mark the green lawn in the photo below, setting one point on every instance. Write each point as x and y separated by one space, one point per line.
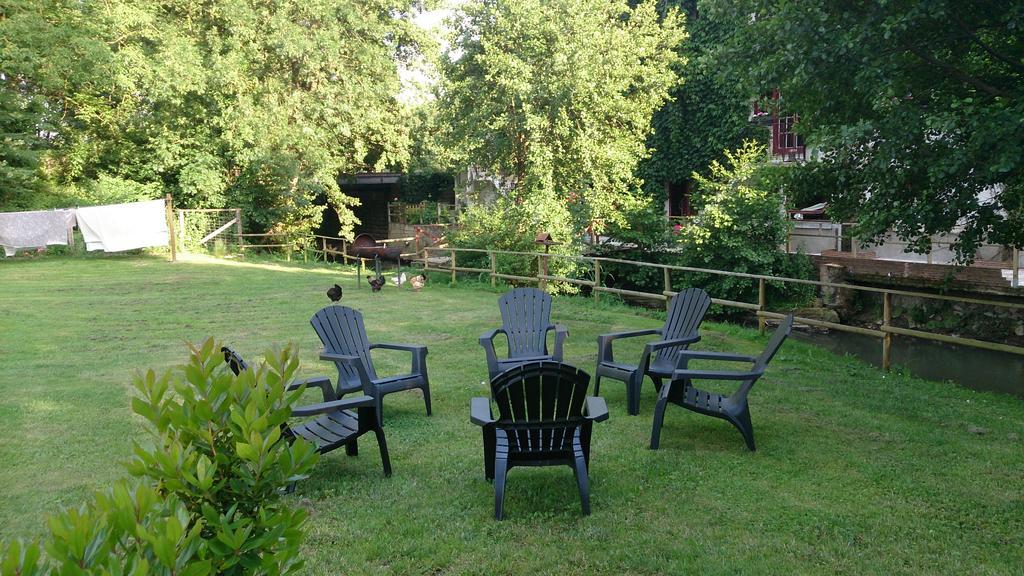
857 472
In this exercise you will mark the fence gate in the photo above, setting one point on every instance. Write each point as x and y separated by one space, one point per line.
210 229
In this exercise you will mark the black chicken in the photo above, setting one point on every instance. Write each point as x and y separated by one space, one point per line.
334 293
376 283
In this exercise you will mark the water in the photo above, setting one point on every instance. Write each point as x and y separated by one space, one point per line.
969 367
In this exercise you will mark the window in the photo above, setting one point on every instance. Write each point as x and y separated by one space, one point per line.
785 141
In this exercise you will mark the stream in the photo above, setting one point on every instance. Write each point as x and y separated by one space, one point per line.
973 368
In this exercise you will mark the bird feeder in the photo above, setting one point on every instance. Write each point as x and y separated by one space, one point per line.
545 239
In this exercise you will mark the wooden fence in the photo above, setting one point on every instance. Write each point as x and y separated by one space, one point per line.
447 262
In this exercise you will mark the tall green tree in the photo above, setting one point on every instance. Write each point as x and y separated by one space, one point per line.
556 97
707 114
916 108
250 103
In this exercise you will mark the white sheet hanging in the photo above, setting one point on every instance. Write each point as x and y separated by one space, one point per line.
119 227
35 229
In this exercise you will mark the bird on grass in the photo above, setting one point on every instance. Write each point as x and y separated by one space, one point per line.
334 293
418 281
399 280
376 283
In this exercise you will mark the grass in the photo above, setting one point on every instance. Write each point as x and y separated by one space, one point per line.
857 472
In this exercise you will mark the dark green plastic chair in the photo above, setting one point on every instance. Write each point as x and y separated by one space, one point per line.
525 322
660 358
343 335
332 423
733 407
544 419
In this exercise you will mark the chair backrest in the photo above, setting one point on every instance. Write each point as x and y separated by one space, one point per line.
234 360
341 330
541 403
778 337
685 313
525 316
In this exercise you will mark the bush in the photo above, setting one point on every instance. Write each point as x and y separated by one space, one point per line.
208 498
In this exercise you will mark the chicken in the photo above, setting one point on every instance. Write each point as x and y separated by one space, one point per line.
376 283
334 293
399 280
418 281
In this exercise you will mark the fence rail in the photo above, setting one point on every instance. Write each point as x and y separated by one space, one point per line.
447 262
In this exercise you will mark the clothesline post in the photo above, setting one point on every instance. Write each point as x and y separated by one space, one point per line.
170 227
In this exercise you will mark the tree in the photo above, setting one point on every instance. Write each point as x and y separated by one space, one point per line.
707 114
915 108
557 98
257 104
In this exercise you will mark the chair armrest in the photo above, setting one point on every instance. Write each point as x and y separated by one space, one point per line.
596 409
392 346
419 354
334 406
487 341
715 375
662 344
480 411
604 342
354 361
561 333
724 356
321 382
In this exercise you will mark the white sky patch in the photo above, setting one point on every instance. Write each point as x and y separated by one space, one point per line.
419 76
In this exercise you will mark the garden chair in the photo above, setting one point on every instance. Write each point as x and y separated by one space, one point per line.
343 335
525 322
733 408
544 419
333 422
659 358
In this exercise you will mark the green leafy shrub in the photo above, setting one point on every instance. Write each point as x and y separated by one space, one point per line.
208 495
219 449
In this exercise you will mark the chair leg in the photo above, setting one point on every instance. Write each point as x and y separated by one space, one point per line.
380 409
741 421
352 447
597 383
633 393
659 419
426 398
583 481
383 445
500 473
657 383
489 442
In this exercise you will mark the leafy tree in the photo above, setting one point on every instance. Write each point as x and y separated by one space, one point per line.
915 108
258 104
707 114
740 226
557 98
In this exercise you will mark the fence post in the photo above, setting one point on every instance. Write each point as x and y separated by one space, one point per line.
238 225
542 270
426 262
494 268
886 322
453 266
668 285
172 239
762 299
1016 268
597 280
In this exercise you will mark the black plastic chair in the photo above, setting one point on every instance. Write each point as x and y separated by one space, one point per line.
544 419
334 423
733 408
525 322
660 358
343 335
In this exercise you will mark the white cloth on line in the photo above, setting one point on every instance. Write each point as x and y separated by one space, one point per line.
119 227
35 229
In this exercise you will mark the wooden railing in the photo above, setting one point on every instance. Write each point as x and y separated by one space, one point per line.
446 260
